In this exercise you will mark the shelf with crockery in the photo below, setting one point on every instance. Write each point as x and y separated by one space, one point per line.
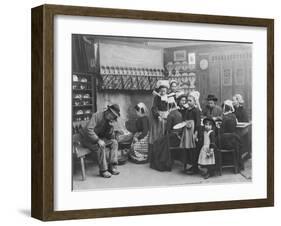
129 78
82 99
183 73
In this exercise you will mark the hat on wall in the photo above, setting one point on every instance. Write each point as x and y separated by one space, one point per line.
212 97
115 109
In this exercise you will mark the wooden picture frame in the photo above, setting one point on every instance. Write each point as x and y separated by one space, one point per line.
42 203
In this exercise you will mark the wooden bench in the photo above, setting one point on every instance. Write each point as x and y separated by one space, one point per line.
80 153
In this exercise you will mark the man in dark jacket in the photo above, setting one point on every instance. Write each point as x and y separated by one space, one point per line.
98 135
212 110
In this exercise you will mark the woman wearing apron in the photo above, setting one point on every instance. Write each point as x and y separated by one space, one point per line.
191 131
159 113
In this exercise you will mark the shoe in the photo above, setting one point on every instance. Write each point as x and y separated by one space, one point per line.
114 171
105 174
191 171
203 171
206 176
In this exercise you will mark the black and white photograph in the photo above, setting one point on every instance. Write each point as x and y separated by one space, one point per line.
150 112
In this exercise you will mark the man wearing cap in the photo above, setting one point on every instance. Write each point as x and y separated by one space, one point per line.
98 135
212 109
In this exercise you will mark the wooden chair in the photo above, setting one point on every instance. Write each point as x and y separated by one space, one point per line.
234 164
233 152
80 153
183 153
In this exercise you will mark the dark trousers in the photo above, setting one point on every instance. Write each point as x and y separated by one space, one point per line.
107 156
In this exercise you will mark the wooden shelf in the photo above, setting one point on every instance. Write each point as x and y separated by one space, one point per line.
89 90
82 74
79 82
82 114
86 105
81 90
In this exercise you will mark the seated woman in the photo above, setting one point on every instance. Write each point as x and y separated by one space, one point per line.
239 110
161 157
228 138
229 120
139 148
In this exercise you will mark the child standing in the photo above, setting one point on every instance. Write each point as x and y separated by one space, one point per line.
191 132
207 157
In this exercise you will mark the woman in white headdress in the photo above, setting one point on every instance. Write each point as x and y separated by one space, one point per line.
239 112
229 120
159 111
139 148
174 90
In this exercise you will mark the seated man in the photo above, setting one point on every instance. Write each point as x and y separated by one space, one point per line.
212 110
98 135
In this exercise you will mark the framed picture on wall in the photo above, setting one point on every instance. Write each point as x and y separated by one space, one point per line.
227 77
115 130
180 55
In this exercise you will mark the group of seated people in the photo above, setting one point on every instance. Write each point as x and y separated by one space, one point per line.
174 120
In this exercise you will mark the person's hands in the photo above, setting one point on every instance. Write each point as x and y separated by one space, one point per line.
195 137
210 152
135 139
188 125
101 143
111 122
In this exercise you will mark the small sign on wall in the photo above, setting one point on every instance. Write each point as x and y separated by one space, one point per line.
227 77
191 58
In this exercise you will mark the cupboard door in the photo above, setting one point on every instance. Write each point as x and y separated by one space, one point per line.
214 84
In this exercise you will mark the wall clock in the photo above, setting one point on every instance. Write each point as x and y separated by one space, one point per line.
204 64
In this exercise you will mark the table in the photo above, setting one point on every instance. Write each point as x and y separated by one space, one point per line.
244 130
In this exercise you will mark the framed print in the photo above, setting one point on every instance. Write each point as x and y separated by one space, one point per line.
125 123
180 55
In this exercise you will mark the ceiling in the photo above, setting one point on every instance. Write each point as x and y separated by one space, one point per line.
159 43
